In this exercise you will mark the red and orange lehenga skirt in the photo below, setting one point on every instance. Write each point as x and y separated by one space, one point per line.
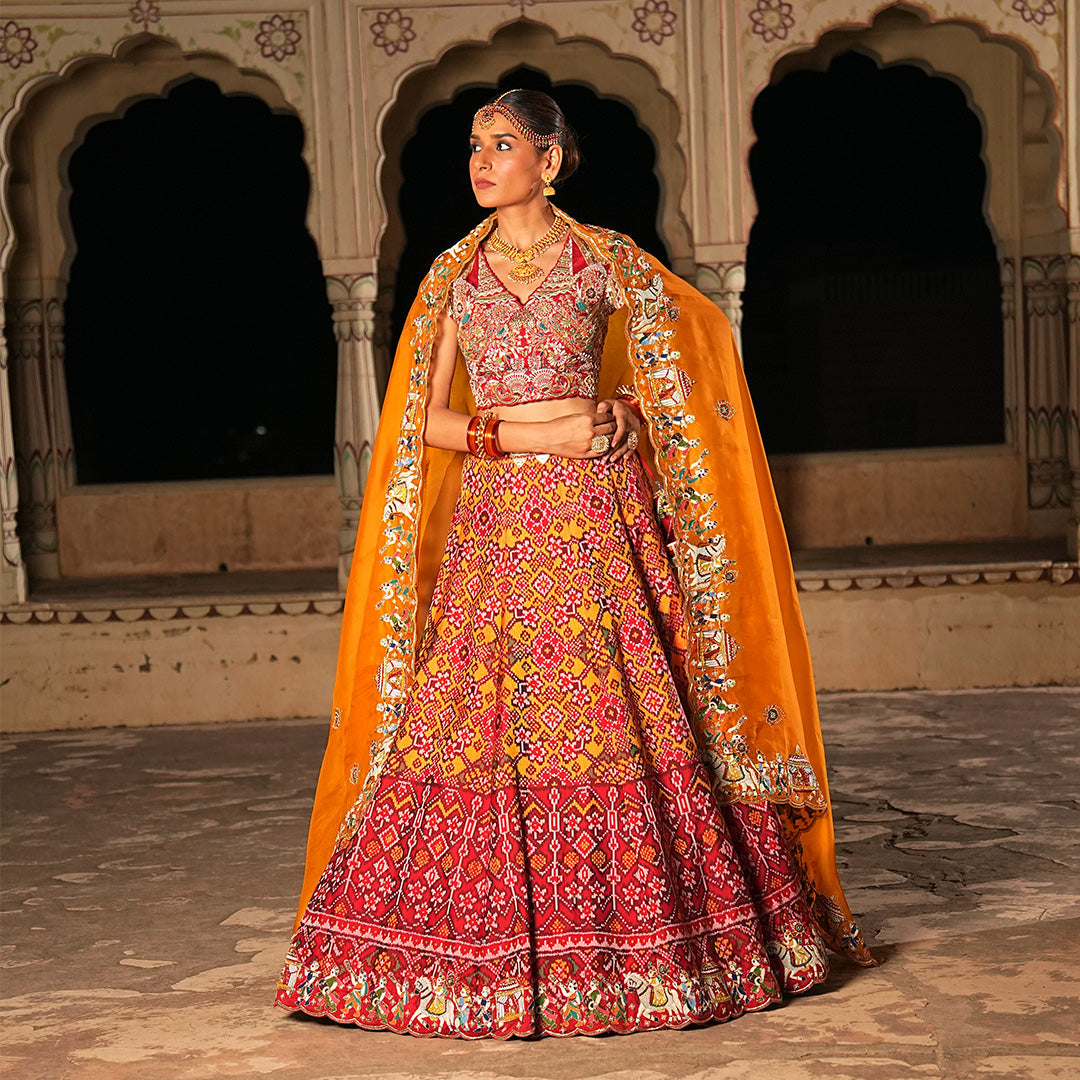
543 853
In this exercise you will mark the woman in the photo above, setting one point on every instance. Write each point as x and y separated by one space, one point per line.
574 781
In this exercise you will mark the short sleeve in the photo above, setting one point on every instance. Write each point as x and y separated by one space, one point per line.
459 304
613 294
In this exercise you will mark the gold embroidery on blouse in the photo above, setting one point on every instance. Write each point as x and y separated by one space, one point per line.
543 348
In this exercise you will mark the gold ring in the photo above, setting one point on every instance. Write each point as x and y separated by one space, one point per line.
599 444
631 440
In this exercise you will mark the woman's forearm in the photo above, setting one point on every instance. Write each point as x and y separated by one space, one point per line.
523 437
445 429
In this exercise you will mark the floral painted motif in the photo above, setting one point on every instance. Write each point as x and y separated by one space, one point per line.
393 31
773 714
145 12
725 410
278 37
1036 11
772 19
16 45
654 21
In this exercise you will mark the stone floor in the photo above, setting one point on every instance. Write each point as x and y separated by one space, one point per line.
149 877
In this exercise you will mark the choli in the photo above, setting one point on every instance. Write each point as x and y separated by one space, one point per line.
541 349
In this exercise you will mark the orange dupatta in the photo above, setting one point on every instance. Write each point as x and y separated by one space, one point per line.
752 704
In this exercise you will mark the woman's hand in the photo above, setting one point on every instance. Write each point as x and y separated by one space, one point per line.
572 435
625 422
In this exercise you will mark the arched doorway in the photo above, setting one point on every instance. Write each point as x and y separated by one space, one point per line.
79 530
872 312
198 331
532 49
615 186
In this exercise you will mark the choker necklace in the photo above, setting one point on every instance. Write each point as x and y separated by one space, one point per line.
521 262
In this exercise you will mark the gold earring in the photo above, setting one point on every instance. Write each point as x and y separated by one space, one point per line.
548 189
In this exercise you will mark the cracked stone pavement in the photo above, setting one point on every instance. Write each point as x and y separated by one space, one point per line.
149 878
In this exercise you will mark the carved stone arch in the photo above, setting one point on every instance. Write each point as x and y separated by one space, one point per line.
1011 91
52 118
1003 86
577 59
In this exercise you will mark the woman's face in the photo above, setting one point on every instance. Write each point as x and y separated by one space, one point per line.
505 168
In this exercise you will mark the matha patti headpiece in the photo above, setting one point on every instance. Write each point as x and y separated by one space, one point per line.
485 117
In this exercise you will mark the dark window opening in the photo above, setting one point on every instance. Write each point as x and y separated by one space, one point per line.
872 312
615 185
199 337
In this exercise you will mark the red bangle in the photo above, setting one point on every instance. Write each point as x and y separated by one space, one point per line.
471 440
491 445
632 405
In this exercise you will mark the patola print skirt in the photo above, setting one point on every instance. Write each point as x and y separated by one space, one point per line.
543 853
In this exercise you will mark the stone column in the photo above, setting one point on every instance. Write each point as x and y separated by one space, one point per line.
56 390
352 297
12 569
1008 327
34 458
1072 421
1046 362
723 283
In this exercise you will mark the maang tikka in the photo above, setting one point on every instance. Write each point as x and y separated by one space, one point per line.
485 117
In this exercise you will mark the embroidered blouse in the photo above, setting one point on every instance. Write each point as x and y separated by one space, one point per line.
543 348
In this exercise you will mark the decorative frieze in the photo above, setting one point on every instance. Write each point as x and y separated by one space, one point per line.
1046 361
932 577
162 611
352 297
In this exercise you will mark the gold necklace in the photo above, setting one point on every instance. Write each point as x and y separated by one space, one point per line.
521 262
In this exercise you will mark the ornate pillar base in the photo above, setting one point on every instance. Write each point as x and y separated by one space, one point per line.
13 586
352 297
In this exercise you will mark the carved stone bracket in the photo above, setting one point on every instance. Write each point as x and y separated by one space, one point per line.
1046 360
352 298
723 284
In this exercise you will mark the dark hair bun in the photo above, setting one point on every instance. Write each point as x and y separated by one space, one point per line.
540 112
